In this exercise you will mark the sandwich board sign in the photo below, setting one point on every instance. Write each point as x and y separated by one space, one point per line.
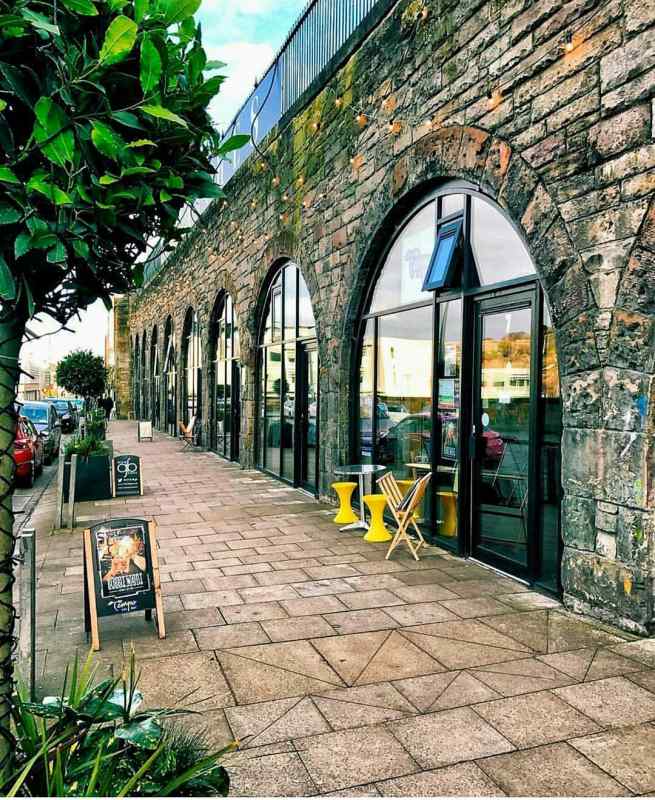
126 476
121 573
144 431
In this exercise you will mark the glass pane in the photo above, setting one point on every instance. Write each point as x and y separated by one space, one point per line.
451 204
550 465
503 429
290 272
402 276
289 411
448 413
272 399
366 373
228 400
220 340
276 311
220 407
236 350
447 240
312 409
261 422
498 250
228 327
306 323
404 398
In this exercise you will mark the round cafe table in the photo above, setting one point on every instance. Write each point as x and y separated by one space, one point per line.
361 471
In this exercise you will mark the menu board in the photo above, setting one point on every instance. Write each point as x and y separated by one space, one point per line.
127 476
121 572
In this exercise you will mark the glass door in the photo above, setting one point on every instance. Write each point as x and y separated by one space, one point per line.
307 384
502 441
235 410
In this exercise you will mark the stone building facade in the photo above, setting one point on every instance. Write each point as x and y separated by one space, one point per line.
547 109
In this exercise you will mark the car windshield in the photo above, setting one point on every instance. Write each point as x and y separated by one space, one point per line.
61 405
35 413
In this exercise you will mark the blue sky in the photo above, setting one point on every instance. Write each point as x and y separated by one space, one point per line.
245 34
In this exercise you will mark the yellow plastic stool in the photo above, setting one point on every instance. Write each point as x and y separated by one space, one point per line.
447 510
377 531
344 490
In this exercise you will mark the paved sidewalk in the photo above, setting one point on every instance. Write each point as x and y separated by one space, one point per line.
344 673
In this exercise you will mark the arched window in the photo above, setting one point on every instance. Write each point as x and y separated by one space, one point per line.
155 380
192 366
170 379
226 366
288 417
458 376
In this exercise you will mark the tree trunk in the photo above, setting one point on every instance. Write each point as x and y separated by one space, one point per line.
11 335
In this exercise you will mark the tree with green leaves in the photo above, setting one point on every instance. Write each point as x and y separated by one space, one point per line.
104 138
82 373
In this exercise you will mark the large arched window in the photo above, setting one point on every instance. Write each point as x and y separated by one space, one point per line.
170 379
226 366
192 367
155 379
458 376
288 398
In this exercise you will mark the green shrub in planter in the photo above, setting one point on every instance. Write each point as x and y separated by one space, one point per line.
93 477
93 741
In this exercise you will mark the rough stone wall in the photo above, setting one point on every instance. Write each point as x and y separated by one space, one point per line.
122 376
563 139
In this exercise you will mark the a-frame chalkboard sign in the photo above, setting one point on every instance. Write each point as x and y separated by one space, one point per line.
121 573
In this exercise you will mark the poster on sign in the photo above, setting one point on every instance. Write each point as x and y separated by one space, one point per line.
121 573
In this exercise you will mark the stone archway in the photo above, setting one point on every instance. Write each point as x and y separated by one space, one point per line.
607 529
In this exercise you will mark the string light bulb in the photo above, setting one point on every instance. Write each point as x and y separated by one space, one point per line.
425 13
338 102
276 180
494 97
300 181
568 42
362 119
285 197
395 127
315 125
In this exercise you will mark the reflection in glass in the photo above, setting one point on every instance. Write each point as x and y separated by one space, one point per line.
448 416
156 381
192 367
290 273
306 323
499 253
503 433
404 391
550 466
366 375
312 415
272 400
226 404
403 273
288 410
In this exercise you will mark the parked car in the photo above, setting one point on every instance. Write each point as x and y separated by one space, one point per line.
67 414
47 423
28 452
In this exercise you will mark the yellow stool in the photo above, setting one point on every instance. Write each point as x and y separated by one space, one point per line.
377 531
345 515
447 510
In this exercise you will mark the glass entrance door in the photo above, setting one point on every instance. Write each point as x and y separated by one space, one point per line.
502 441
235 410
307 384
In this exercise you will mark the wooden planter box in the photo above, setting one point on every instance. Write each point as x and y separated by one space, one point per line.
93 479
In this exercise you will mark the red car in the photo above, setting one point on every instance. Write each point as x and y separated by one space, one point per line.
28 452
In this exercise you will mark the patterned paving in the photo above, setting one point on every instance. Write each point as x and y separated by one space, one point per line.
342 673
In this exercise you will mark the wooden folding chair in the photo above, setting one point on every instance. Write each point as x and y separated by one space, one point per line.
403 510
187 432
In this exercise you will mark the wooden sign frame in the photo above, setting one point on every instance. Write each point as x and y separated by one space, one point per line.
144 437
146 599
113 475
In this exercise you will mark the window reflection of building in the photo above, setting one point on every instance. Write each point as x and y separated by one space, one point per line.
226 365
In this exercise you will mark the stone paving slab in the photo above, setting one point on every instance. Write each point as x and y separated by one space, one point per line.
345 674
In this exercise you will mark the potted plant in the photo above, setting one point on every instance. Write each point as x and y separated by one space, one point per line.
94 740
93 476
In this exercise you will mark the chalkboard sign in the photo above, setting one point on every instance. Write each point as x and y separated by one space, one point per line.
121 570
126 476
